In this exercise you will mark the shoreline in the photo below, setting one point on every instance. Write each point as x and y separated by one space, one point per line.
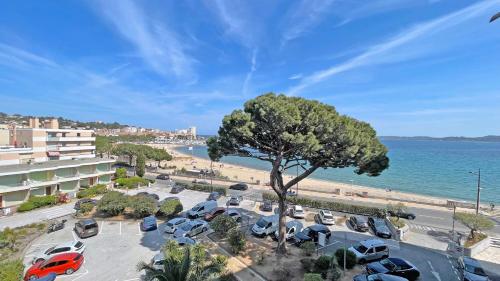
308 186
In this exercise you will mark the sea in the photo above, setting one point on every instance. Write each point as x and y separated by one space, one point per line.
446 169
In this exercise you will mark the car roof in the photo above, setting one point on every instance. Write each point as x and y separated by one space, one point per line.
67 244
65 256
149 218
298 207
360 218
317 227
87 221
174 220
232 211
193 222
471 261
372 242
399 261
294 223
326 212
159 257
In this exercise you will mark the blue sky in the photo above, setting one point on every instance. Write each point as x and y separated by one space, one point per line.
409 67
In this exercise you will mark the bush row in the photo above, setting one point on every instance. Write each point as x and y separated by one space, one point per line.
37 202
131 183
329 205
318 269
203 187
92 191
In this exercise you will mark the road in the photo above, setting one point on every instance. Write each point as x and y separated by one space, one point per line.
36 216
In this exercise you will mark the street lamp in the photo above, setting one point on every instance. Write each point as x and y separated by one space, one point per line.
478 188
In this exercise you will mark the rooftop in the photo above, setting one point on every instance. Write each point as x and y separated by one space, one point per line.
50 165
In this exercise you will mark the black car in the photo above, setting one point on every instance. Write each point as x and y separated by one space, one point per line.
471 270
177 188
84 201
266 206
394 266
378 277
235 200
163 177
404 215
311 233
213 196
379 227
359 223
239 186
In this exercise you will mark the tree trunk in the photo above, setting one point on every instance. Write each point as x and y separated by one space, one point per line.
281 249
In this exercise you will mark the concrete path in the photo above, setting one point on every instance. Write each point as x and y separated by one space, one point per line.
36 216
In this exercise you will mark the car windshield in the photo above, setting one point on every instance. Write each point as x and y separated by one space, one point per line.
374 277
327 216
261 222
49 250
78 244
388 264
299 210
306 231
474 270
379 223
360 248
195 208
186 227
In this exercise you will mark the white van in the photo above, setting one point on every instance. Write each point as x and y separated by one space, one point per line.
371 249
265 225
202 208
292 227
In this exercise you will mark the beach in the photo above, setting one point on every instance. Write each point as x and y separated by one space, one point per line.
308 186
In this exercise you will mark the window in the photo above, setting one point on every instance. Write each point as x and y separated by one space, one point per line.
61 262
52 264
77 134
380 248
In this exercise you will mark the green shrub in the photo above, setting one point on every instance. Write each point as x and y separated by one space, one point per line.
329 205
11 270
92 191
222 224
121 173
130 183
206 188
335 273
112 203
41 201
308 248
322 264
86 208
350 258
397 222
140 165
26 206
142 206
307 264
170 208
312 277
237 240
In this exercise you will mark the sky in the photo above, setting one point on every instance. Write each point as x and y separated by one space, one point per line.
408 67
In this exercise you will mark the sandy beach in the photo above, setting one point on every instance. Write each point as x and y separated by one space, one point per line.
308 186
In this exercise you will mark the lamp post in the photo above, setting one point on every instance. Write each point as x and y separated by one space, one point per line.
478 189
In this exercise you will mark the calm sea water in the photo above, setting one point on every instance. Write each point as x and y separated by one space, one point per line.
436 168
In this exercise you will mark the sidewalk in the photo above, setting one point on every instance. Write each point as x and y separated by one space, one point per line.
36 216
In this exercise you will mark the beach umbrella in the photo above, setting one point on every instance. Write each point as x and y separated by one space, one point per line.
496 16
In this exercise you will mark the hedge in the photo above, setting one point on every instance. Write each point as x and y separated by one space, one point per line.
170 208
329 205
142 206
113 203
130 183
37 202
350 258
92 191
313 277
203 187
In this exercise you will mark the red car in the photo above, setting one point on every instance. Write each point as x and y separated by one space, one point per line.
215 212
59 264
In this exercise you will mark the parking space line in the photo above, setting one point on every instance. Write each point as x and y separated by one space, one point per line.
139 227
74 235
120 228
102 226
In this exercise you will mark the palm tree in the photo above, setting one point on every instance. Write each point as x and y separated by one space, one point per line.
188 264
494 17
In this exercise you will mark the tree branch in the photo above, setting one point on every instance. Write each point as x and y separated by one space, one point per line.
301 176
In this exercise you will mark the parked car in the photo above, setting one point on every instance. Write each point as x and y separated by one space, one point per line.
214 213
235 200
291 193
266 206
311 233
213 196
394 266
172 225
84 201
379 227
326 217
86 228
297 212
202 208
404 215
59 264
378 277
234 214
277 211
291 228
177 188
183 241
370 250
163 177
49 277
239 186
471 270
191 228
158 261
73 246
149 223
265 225
359 223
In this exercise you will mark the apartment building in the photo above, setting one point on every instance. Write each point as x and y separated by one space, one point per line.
19 182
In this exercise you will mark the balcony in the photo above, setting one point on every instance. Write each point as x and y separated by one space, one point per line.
73 139
70 148
13 187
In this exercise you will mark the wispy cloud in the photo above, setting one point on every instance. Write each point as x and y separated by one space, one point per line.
295 76
12 56
253 68
380 53
159 46
302 17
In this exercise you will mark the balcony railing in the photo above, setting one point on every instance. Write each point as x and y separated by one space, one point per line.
70 148
62 139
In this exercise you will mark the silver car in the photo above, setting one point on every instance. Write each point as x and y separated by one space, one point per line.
326 217
68 247
158 261
191 228
172 225
234 214
371 249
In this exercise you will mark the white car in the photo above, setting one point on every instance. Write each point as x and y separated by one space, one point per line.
68 247
326 217
298 212
172 225
191 228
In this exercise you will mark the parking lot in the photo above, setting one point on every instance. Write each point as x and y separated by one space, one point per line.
113 254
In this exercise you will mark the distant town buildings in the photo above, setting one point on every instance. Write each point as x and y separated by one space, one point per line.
183 134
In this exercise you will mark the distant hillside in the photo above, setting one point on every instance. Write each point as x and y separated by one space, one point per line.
20 119
421 138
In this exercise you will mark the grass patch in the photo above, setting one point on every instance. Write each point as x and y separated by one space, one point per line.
37 202
131 183
92 191
397 223
14 240
478 237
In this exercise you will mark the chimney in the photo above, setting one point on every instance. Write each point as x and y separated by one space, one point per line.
34 123
51 124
